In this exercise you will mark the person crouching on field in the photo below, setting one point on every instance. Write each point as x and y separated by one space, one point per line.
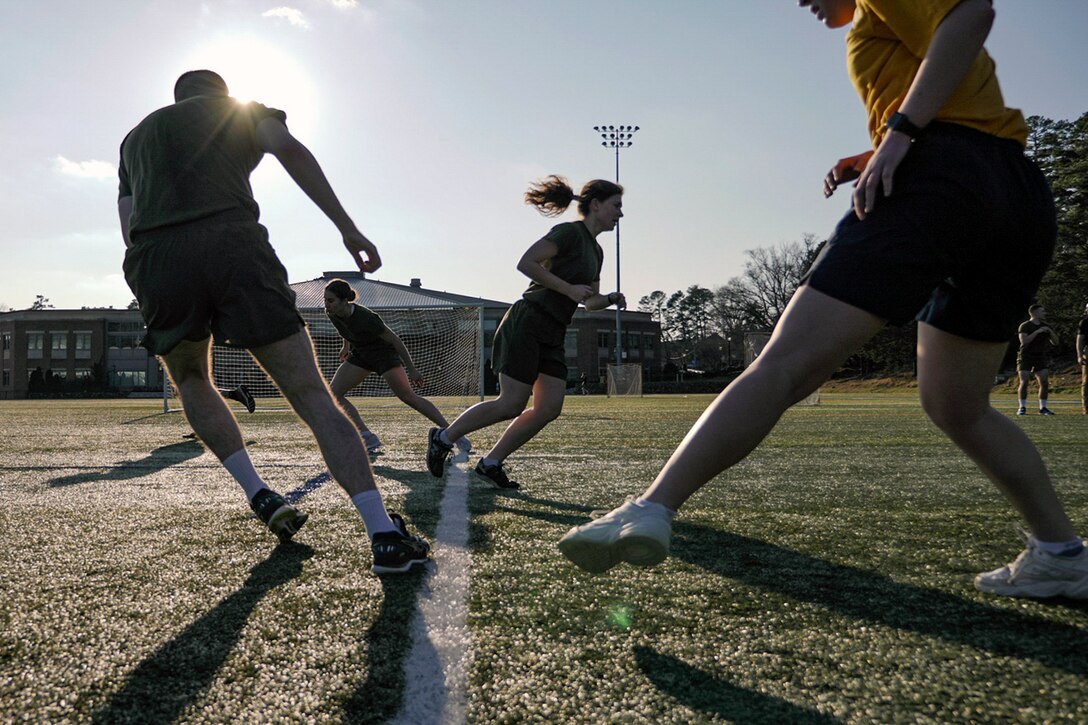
565 269
371 347
951 224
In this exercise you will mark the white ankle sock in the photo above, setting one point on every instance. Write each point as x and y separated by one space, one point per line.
239 466
1058 548
444 438
1042 403
372 509
488 462
1023 403
654 506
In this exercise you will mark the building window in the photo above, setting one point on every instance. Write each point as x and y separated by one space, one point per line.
604 339
7 378
83 344
83 373
128 378
5 342
35 343
570 344
59 341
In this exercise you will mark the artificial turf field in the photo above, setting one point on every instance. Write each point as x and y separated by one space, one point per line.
825 579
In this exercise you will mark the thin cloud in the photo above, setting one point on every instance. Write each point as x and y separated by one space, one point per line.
291 15
345 4
86 169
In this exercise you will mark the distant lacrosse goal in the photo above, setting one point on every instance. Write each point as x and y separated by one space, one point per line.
754 342
625 379
445 344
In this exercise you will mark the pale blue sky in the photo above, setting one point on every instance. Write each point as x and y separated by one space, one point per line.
431 116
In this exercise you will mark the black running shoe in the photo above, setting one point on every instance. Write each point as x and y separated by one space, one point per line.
283 519
1046 411
243 396
395 552
496 475
437 453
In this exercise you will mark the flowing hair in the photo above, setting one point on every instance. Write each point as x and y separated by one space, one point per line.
552 195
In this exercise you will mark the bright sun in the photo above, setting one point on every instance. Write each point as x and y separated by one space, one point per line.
256 70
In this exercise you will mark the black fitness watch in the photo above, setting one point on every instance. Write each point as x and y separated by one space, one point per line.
899 122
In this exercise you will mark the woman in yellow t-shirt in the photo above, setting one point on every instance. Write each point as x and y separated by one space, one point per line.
950 225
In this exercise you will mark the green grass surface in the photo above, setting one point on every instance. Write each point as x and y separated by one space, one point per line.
827 578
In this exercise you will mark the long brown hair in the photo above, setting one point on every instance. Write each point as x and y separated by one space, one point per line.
552 195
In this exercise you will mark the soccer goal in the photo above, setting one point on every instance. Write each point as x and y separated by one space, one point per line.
624 379
445 344
754 342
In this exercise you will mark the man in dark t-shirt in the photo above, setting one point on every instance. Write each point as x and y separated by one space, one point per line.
200 264
1036 337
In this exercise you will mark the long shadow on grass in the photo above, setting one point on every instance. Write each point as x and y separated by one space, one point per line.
159 459
378 697
869 596
164 684
711 695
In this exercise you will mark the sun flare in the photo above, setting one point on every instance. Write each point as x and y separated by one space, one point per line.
256 70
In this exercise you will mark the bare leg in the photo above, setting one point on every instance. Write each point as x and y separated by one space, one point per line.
513 397
347 377
291 365
1022 388
814 336
1043 376
398 382
954 382
205 409
548 394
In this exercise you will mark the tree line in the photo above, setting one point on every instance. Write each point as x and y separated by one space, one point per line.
705 328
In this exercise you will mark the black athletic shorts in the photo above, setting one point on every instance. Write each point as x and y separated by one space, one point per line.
1032 363
529 342
375 358
219 277
961 243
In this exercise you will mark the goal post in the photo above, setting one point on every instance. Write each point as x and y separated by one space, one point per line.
754 342
624 379
444 342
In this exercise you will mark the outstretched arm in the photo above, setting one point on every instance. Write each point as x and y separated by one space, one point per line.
274 138
955 45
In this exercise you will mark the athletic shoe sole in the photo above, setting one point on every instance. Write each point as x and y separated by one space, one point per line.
286 522
596 556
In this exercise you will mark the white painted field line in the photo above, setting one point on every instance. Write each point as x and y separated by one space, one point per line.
436 669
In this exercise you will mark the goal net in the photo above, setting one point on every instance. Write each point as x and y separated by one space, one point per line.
624 379
444 342
754 342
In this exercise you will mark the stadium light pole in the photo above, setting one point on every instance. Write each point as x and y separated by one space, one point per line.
617 137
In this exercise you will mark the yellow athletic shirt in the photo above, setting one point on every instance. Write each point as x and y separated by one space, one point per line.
884 49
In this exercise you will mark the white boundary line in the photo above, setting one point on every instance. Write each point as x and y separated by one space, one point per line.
436 669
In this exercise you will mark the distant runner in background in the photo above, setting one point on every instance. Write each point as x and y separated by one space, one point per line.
371 347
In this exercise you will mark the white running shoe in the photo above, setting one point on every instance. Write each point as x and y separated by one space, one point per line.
632 533
1038 575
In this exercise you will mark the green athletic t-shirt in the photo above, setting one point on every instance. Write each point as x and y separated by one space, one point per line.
578 261
1039 347
362 328
192 160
